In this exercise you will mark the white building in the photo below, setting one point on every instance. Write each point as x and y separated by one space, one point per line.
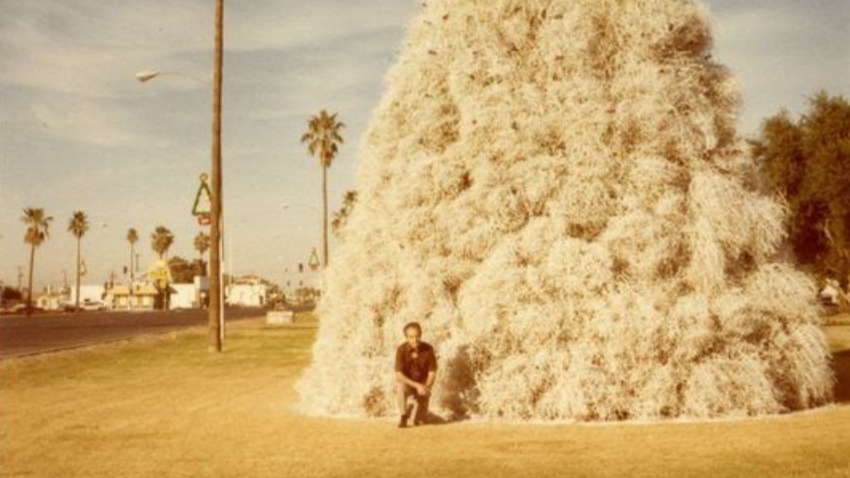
247 295
88 293
184 296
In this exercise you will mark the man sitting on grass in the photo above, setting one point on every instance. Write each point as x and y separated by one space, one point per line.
415 372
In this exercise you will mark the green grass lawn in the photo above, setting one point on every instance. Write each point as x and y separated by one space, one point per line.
165 407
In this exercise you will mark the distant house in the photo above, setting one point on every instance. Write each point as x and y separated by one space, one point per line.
143 297
51 301
88 293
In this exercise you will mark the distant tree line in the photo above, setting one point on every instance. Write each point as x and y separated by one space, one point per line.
806 162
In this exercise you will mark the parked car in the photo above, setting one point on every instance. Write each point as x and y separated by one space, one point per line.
92 305
22 308
86 304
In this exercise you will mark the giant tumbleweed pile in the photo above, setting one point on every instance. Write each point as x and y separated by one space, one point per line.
556 190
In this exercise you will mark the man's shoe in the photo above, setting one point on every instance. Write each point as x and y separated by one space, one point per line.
403 422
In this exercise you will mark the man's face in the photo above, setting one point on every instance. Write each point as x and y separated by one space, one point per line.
412 335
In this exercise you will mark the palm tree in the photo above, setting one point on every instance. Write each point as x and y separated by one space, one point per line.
38 225
322 138
202 245
341 216
78 225
161 240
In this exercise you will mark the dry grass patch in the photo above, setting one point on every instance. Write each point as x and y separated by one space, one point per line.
167 408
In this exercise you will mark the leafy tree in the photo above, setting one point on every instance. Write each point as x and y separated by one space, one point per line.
38 230
10 294
183 271
323 137
807 162
780 150
78 225
161 240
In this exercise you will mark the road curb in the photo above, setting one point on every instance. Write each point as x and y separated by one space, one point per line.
160 334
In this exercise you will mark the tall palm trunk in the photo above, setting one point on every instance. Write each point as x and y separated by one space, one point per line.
77 305
325 214
163 294
132 263
29 286
132 275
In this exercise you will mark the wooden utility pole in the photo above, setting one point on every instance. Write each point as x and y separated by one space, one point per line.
216 313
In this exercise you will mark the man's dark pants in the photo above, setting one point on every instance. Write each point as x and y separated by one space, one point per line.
405 391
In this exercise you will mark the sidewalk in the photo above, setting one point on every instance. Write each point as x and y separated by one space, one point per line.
165 407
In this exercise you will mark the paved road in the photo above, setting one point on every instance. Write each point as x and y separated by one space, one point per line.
20 335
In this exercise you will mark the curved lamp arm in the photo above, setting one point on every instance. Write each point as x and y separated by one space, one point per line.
299 204
147 75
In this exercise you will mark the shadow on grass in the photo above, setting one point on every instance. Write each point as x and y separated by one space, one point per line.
434 419
841 367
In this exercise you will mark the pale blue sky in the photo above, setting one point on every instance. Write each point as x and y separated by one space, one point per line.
77 131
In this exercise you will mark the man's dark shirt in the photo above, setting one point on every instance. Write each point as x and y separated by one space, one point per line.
415 363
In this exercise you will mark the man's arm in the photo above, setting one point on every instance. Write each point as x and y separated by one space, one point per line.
420 388
432 377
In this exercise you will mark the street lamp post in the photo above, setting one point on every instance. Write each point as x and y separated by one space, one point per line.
314 261
287 206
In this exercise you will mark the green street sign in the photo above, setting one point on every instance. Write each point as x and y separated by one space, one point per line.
203 201
314 260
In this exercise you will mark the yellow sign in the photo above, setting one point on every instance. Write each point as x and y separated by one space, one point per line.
159 273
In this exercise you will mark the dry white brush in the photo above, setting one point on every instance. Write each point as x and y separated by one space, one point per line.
555 189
